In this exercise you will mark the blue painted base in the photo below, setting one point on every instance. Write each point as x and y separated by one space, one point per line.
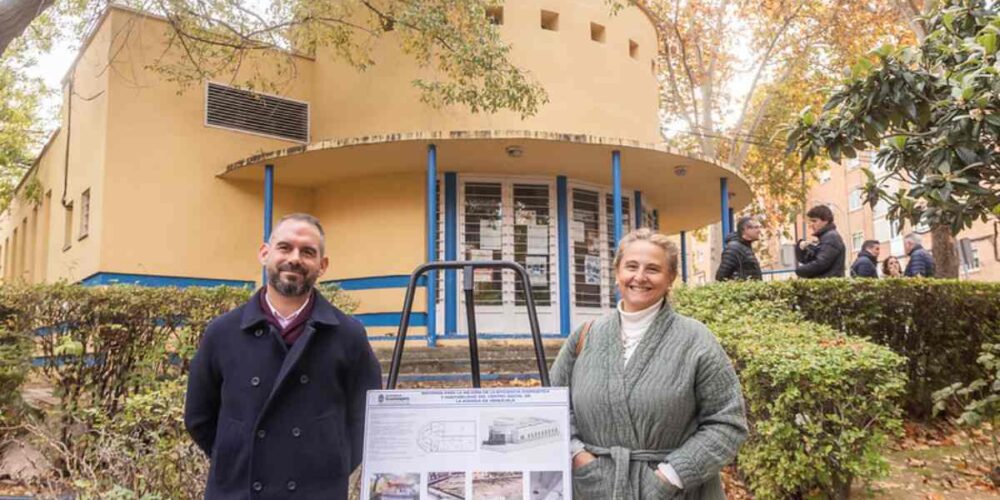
159 281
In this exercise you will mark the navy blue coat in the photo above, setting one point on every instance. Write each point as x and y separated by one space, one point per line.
865 266
280 421
921 263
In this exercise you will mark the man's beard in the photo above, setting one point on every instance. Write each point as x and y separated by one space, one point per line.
290 288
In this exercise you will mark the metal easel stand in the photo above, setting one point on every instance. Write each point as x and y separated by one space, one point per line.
468 270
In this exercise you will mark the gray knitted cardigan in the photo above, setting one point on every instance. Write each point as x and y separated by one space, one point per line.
678 400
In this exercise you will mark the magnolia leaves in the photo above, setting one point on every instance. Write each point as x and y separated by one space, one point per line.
932 111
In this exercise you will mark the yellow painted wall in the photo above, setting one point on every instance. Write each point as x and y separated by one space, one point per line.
162 166
594 88
374 225
42 252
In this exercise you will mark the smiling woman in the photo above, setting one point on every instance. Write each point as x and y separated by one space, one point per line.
657 409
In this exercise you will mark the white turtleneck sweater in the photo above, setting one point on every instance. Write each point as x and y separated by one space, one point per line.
634 326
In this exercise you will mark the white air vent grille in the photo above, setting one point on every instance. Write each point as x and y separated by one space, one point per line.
257 113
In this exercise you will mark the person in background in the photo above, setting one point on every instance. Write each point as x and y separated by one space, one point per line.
921 263
656 407
866 266
891 268
738 260
824 256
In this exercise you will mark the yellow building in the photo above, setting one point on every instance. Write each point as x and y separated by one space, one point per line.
143 184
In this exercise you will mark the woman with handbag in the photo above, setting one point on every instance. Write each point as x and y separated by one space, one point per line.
657 408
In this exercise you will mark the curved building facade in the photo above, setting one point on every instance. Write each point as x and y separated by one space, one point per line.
143 184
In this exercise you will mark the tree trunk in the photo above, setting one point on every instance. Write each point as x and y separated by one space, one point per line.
16 15
946 261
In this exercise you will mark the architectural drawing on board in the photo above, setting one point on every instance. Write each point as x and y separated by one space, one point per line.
448 437
511 434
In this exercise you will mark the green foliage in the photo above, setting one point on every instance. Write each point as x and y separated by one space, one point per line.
15 352
821 404
979 399
118 357
934 112
939 326
975 404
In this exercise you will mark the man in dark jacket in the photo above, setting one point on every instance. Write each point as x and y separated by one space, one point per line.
276 392
867 264
921 262
825 256
738 260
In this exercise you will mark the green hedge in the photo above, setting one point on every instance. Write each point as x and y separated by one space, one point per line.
940 326
821 404
15 353
118 358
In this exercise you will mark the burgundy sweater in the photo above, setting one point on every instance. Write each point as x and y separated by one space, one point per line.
294 329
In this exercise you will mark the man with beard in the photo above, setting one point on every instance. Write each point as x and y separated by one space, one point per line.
276 391
738 260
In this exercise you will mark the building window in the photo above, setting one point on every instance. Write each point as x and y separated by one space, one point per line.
855 202
483 241
585 233
609 209
597 32
550 20
84 214
633 49
824 176
68 227
532 244
857 239
495 15
973 264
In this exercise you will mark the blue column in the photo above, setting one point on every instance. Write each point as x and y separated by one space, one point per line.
431 243
562 208
616 183
724 202
684 257
637 200
450 252
268 211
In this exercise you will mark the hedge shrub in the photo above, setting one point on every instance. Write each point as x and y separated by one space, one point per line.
15 352
821 404
118 357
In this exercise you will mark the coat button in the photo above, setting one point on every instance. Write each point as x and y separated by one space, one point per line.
255 381
291 486
261 433
259 332
257 486
296 432
304 379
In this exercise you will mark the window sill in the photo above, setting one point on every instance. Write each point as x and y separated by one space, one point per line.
67 247
82 237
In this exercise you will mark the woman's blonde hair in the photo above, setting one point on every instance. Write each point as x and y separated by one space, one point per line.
660 240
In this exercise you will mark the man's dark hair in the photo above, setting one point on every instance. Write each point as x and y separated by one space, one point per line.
742 223
869 244
821 212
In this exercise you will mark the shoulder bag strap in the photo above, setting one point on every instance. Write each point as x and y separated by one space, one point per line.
583 337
